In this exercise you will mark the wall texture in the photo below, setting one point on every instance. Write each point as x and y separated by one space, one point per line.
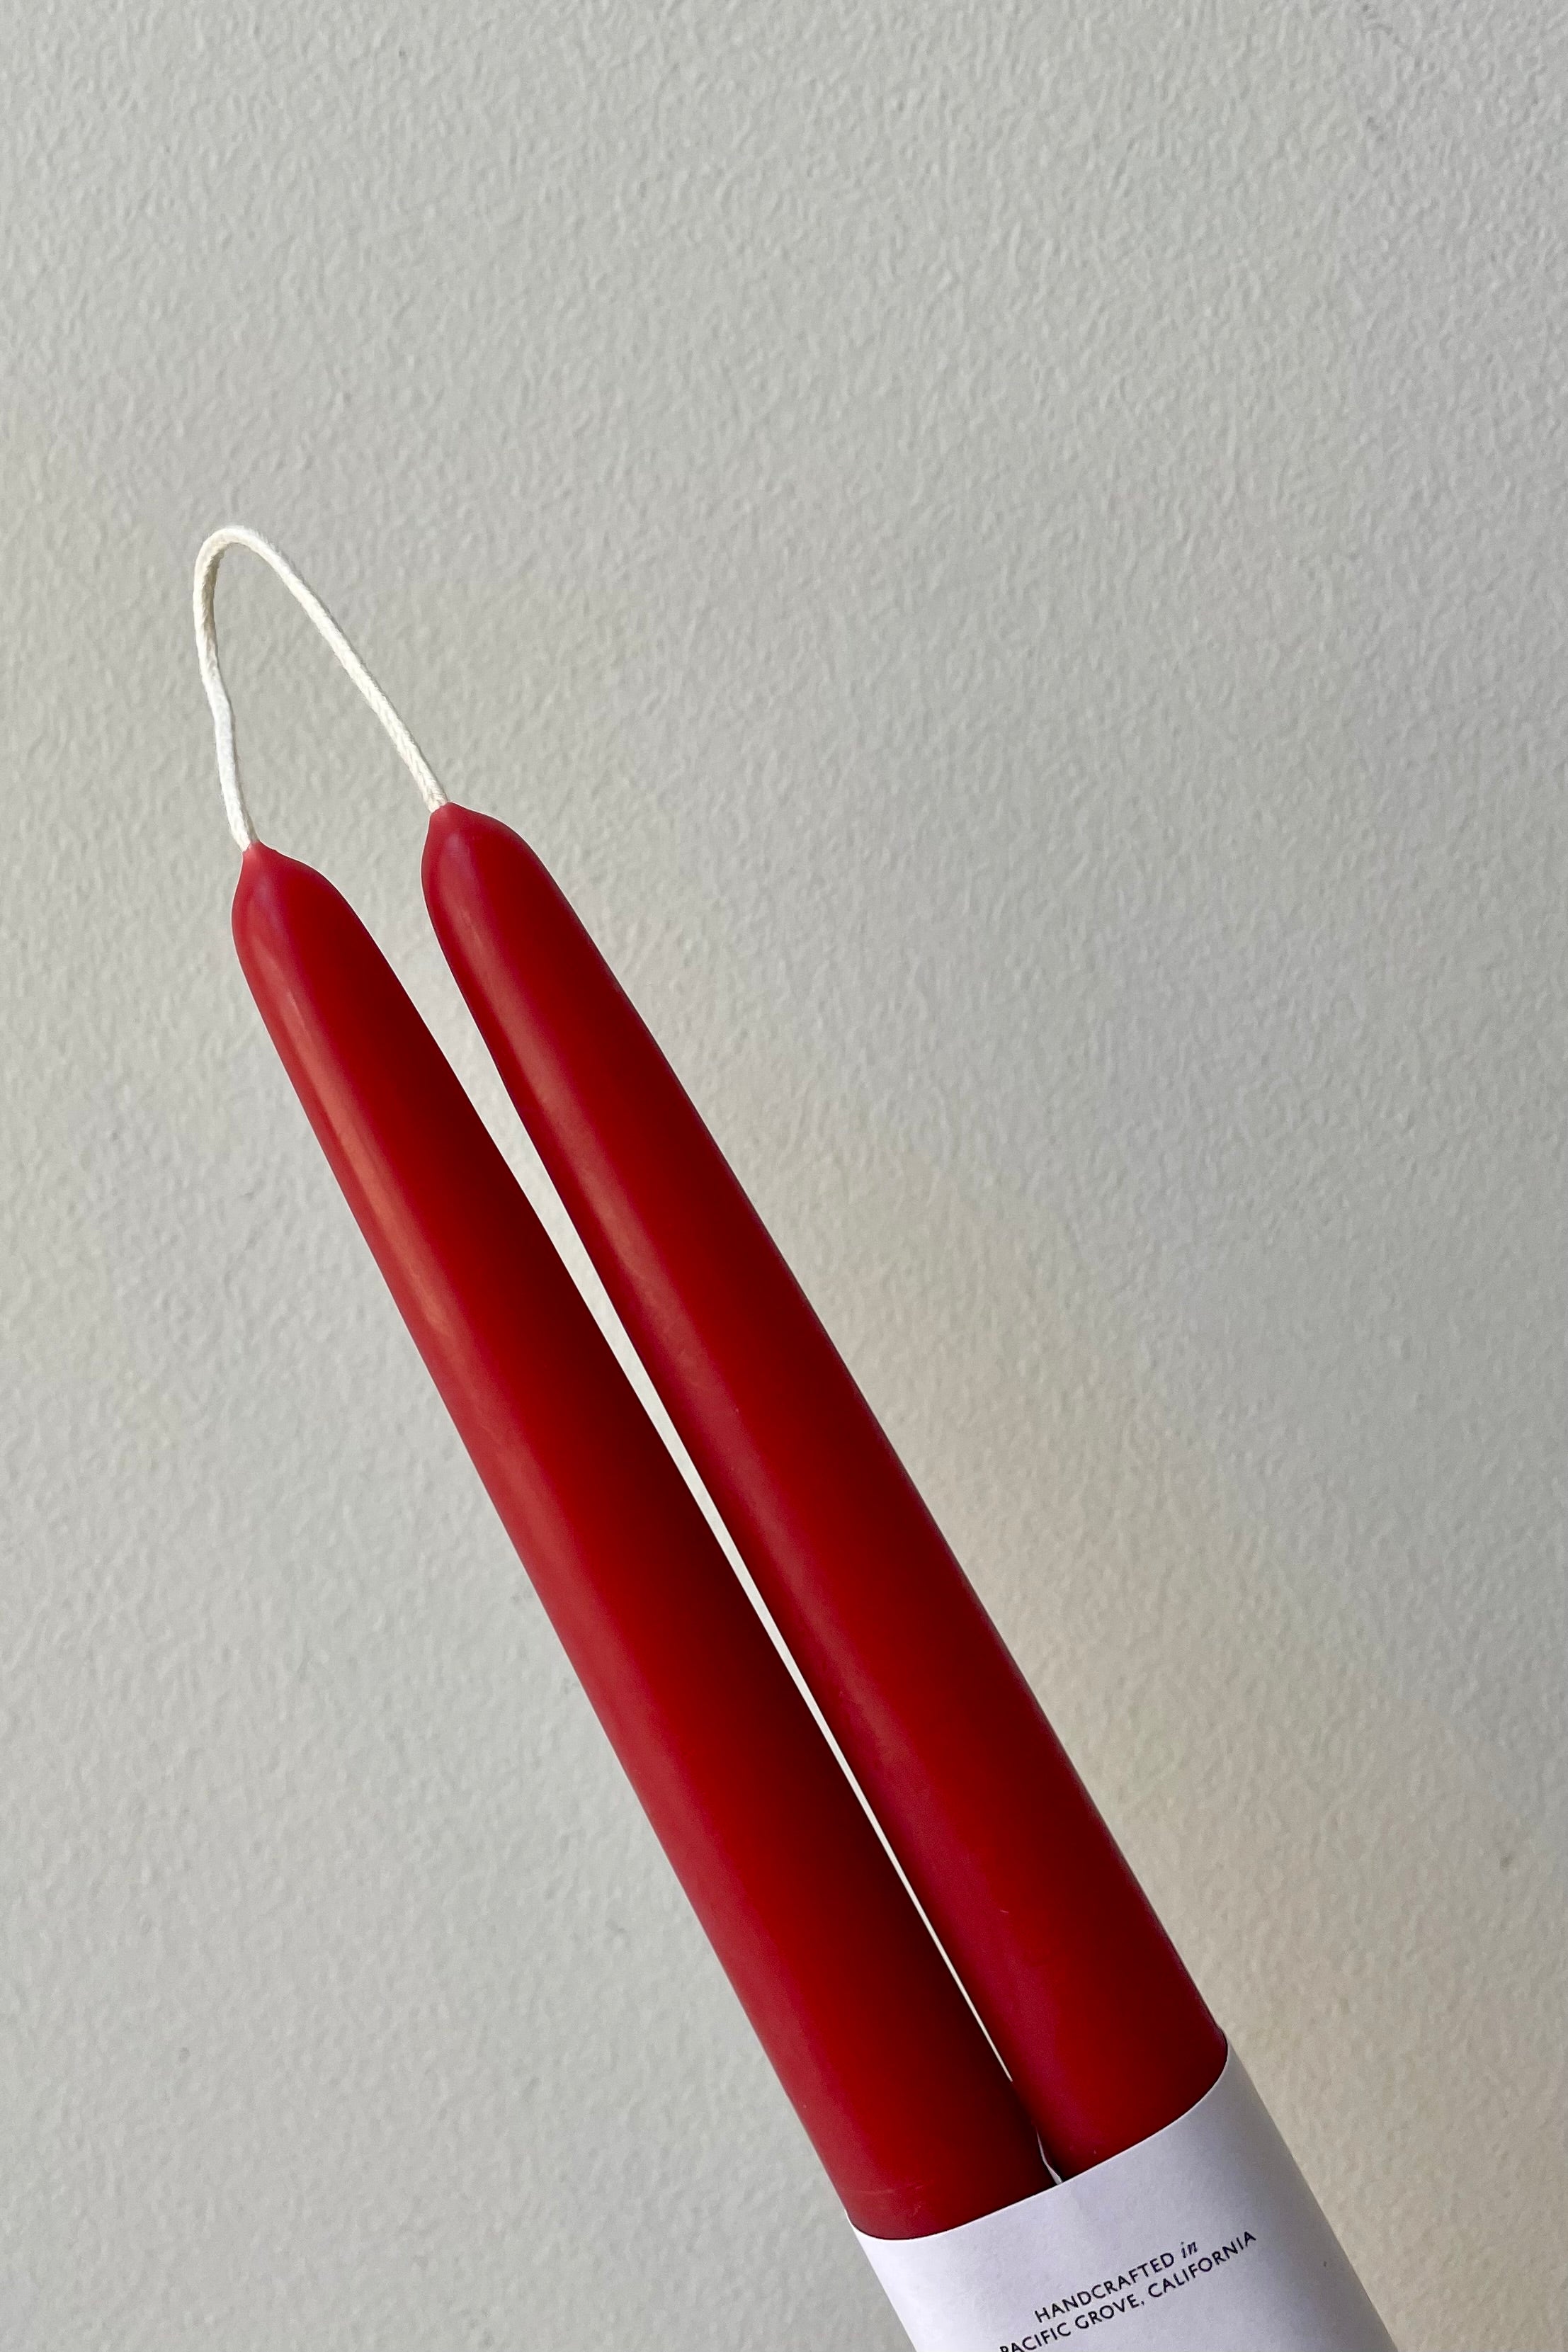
1011 558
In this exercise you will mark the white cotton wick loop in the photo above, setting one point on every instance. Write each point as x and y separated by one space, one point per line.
212 554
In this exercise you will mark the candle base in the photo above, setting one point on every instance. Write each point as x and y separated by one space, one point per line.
1203 2237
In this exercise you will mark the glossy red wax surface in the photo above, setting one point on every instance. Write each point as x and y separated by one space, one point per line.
908 2108
1100 2025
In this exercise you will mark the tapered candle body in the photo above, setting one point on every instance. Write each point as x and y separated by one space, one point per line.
908 2109
1100 2023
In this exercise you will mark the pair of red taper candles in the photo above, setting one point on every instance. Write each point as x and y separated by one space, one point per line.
921 2126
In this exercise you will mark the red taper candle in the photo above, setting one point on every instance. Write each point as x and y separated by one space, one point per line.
906 2104
1082 1991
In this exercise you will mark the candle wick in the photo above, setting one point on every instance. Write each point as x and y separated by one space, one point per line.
211 555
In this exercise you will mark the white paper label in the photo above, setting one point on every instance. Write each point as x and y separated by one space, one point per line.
1204 2237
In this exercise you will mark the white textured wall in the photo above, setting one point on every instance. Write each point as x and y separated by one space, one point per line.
1012 559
